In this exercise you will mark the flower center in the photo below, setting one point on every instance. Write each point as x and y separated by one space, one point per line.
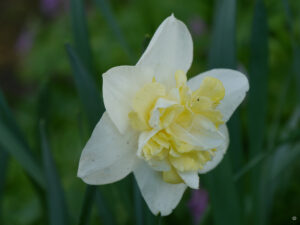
179 128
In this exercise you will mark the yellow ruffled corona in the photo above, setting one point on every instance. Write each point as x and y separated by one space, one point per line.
170 114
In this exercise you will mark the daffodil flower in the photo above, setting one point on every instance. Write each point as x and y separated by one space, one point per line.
163 128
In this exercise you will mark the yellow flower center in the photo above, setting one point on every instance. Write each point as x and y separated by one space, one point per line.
174 122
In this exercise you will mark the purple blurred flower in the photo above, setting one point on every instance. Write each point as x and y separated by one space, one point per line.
24 42
49 7
197 204
242 69
197 25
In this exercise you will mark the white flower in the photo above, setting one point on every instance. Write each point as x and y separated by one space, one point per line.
163 128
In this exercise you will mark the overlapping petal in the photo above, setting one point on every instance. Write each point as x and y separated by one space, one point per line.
161 197
108 155
170 49
235 83
191 179
202 134
120 84
219 154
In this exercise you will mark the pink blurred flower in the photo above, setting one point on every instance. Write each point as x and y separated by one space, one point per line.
197 26
24 42
198 204
49 7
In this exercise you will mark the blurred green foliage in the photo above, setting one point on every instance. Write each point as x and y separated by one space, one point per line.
39 84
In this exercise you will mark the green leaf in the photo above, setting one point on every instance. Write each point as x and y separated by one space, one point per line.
291 132
280 162
93 107
105 214
222 51
87 205
93 195
80 34
283 92
250 165
57 209
296 68
257 96
220 182
138 204
296 46
293 74
159 220
149 217
13 142
112 22
235 148
223 55
223 194
284 157
88 93
258 79
3 170
7 118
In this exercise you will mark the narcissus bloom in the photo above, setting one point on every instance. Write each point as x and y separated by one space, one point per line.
163 128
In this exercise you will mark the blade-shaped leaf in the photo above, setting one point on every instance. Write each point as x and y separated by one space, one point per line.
138 204
112 22
283 158
258 79
279 163
93 195
295 44
87 205
88 93
3 170
57 209
222 51
159 219
278 111
220 183
250 165
296 68
223 55
103 211
149 217
284 155
257 97
288 79
7 118
93 107
223 194
12 141
235 148
80 33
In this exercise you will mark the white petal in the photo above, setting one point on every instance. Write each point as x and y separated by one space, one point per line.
219 154
108 156
235 83
159 165
170 49
161 103
161 197
203 134
120 85
144 137
191 179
